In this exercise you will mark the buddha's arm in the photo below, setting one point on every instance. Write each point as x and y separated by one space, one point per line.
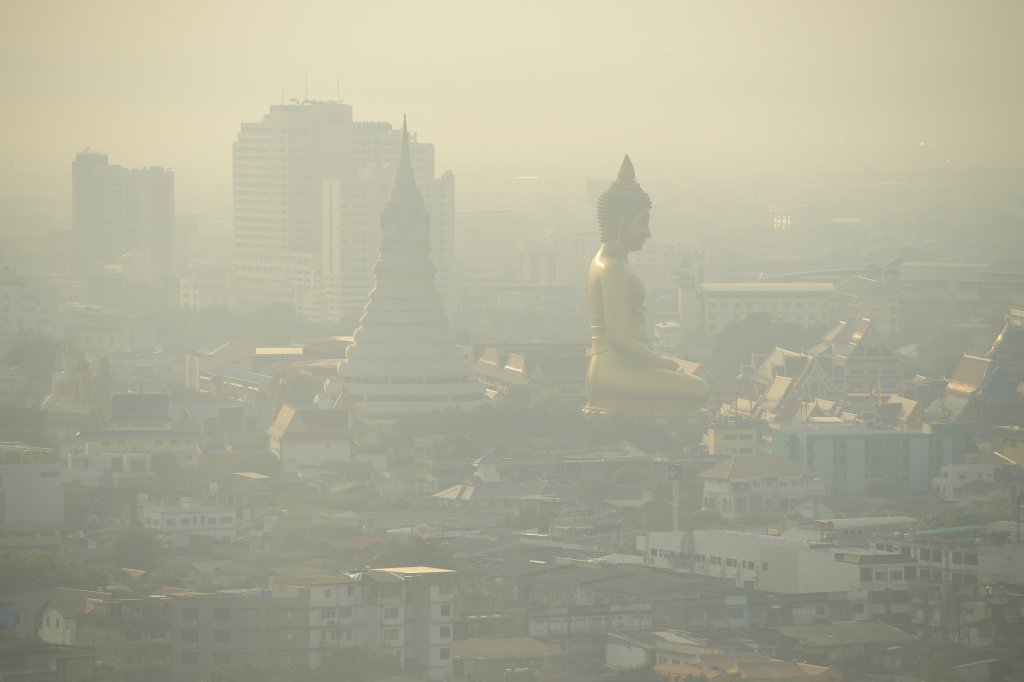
615 291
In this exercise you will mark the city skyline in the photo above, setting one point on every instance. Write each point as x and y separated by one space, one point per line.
695 91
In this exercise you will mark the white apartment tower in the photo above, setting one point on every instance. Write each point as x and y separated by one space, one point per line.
121 212
309 187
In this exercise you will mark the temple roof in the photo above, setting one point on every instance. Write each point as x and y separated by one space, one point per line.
969 375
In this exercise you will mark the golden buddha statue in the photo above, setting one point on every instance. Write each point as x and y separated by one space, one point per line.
625 376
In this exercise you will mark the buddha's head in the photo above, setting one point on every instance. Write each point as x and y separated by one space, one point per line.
623 211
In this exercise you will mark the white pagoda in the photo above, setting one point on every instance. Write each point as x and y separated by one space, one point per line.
404 361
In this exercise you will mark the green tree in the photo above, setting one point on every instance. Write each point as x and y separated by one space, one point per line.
34 570
36 357
135 548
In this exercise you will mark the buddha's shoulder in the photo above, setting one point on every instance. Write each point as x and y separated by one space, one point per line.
611 264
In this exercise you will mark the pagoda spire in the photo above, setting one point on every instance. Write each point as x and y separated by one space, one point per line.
405 192
404 160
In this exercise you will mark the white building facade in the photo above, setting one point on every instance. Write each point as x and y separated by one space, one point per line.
117 211
309 186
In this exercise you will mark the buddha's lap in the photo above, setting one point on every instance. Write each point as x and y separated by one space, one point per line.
613 377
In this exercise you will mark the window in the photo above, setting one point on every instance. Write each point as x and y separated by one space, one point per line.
221 614
865 575
446 653
190 614
222 635
909 572
345 611
446 610
391 612
221 659
190 635
391 635
327 613
190 657
446 631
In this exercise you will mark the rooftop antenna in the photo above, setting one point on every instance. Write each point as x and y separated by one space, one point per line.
337 86
305 86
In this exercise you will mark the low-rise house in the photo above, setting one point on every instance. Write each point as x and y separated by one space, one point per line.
487 660
754 484
51 614
953 477
130 450
220 517
875 580
646 647
300 438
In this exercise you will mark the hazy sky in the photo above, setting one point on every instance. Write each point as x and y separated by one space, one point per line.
524 87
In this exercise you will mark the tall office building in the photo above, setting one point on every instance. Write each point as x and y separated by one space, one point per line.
309 187
121 213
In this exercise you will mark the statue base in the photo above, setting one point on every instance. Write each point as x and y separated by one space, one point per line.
651 431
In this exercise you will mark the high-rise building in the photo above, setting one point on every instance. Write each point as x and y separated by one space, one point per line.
309 187
404 360
120 213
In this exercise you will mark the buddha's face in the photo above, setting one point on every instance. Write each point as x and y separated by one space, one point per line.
637 231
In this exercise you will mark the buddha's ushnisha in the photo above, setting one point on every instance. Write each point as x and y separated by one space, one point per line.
625 376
